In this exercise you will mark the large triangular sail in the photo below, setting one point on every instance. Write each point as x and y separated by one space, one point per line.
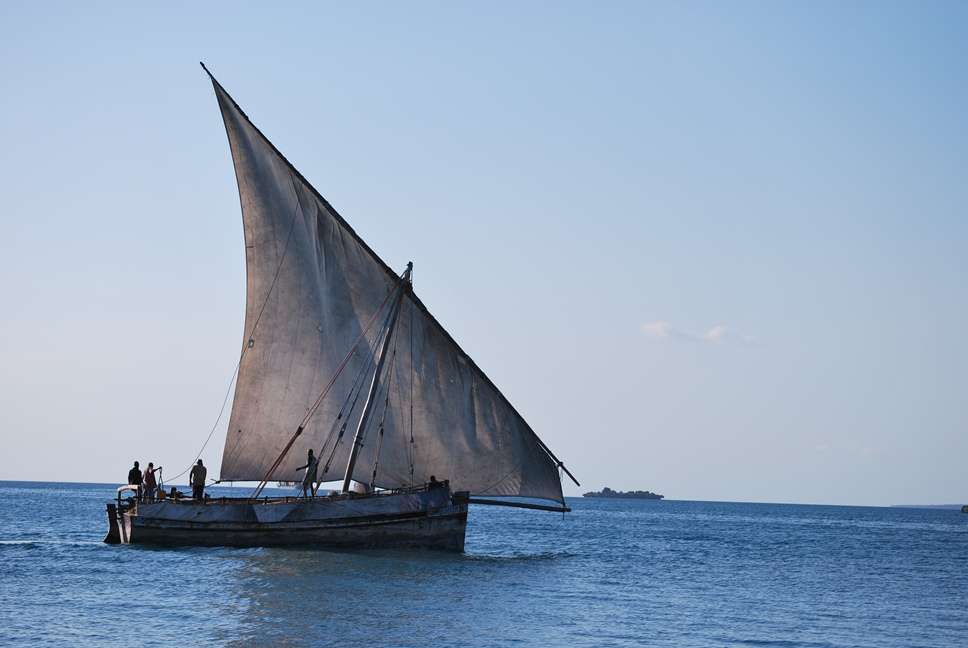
312 287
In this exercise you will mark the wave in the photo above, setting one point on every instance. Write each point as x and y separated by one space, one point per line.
66 543
519 557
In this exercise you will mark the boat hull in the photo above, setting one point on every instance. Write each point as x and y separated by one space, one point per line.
426 519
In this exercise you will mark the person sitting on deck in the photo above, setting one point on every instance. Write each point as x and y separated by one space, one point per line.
149 483
134 478
310 477
196 479
434 483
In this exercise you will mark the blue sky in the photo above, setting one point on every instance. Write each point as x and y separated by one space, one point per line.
710 249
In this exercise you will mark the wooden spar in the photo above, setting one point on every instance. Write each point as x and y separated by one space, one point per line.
375 383
536 507
559 462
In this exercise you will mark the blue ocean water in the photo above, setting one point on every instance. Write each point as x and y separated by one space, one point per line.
612 573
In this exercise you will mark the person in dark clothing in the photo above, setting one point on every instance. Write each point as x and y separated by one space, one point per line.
196 479
309 479
134 478
134 475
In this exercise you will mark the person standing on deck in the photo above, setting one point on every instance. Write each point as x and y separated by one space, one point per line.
196 479
149 483
310 478
134 478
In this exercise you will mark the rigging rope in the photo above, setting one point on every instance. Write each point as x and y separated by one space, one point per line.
358 389
248 339
322 395
221 411
357 383
410 448
325 391
386 407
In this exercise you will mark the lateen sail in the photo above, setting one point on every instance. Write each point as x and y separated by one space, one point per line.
312 285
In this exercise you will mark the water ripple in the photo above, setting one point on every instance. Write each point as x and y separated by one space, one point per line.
613 573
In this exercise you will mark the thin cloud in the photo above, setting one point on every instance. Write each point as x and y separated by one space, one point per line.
717 334
658 329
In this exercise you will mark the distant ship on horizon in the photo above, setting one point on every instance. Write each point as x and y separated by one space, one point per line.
637 494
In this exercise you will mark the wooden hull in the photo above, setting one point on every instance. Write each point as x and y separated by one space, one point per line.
421 519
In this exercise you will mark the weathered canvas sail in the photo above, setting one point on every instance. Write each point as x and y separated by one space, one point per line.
312 285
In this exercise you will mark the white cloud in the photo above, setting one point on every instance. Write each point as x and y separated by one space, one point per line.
718 334
715 335
657 329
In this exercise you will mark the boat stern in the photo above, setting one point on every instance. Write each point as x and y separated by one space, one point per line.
119 525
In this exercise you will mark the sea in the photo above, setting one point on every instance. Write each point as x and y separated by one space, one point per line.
610 573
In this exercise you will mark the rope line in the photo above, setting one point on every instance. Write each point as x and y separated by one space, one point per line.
410 448
355 392
380 341
323 394
247 344
383 418
386 407
383 386
299 430
361 374
221 411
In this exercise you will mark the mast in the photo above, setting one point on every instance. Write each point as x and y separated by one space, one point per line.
375 384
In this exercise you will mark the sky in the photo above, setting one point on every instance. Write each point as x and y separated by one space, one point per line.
714 250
